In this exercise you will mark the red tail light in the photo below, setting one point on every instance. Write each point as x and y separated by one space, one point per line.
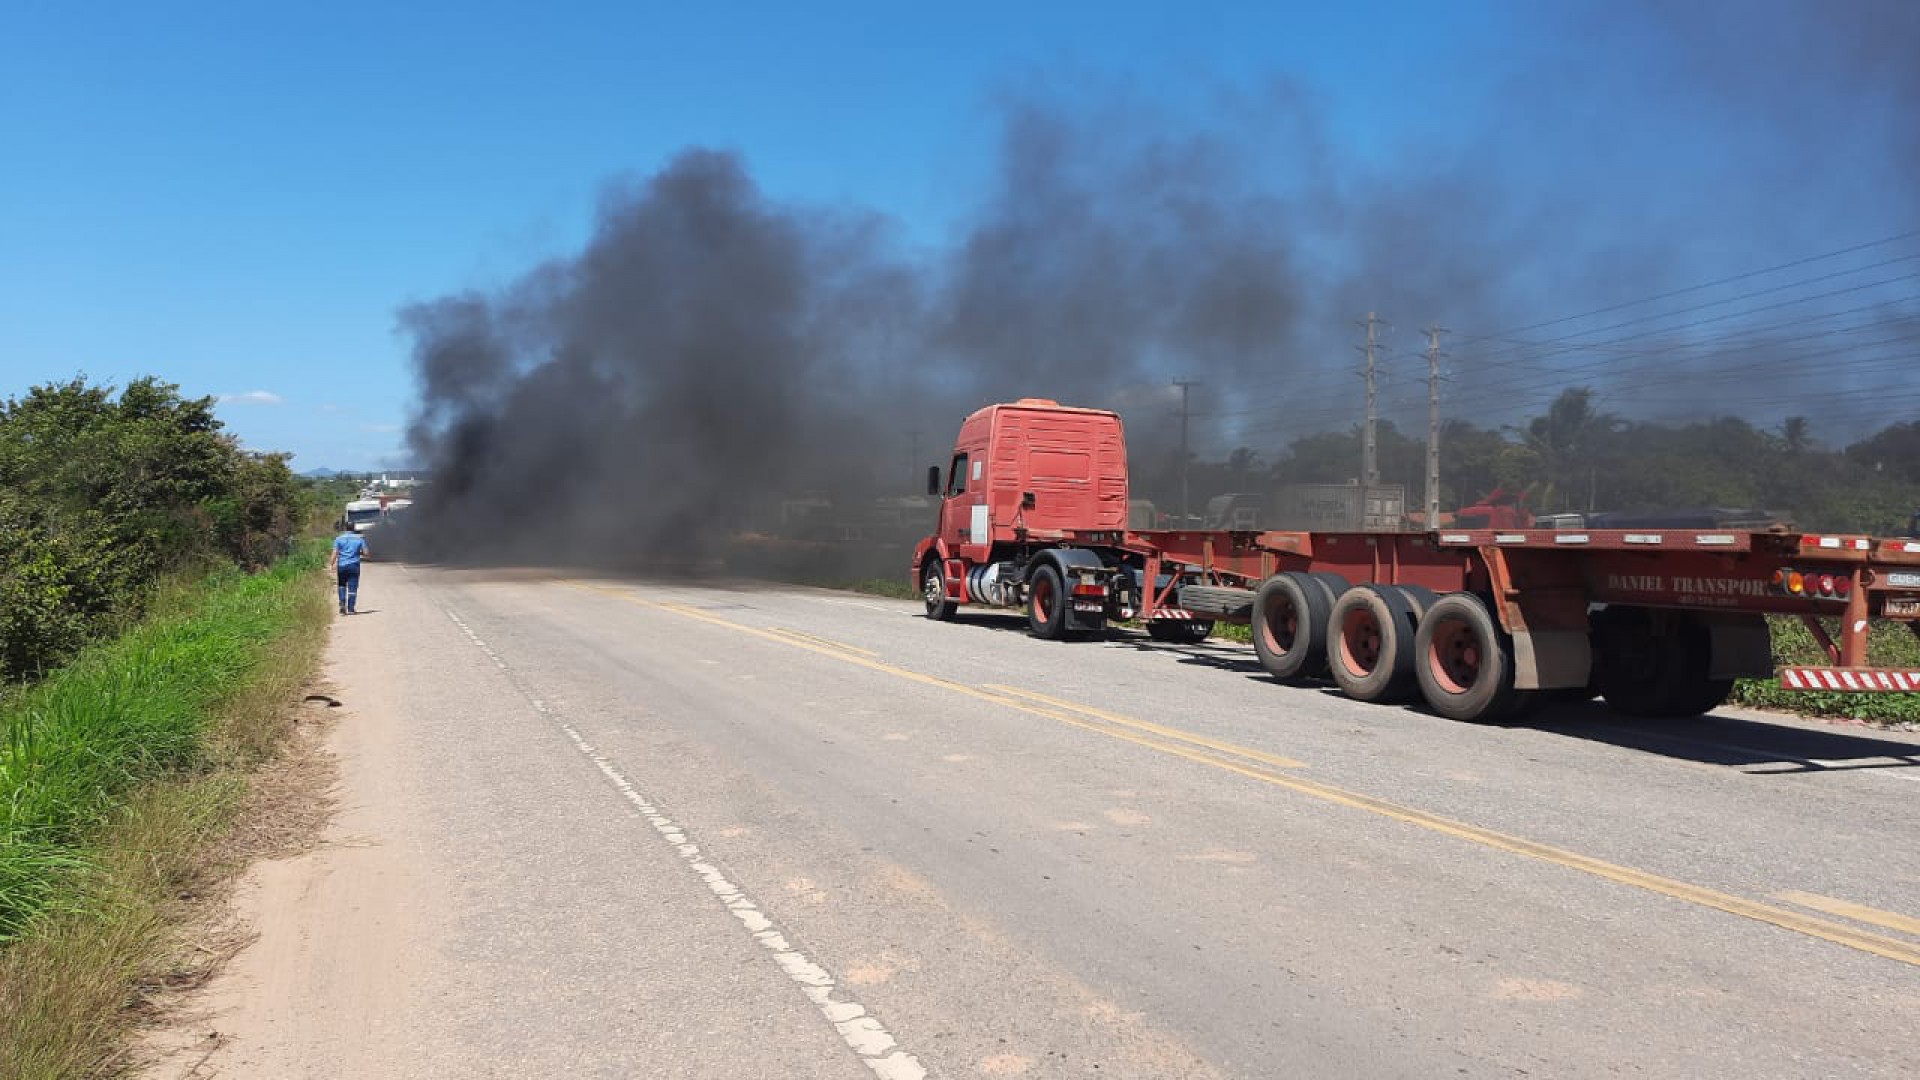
1842 586
1826 584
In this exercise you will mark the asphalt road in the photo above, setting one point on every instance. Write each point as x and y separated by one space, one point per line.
610 827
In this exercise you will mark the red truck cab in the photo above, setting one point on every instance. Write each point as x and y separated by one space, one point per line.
1032 469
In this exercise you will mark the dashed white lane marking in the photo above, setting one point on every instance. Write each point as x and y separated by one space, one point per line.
862 1031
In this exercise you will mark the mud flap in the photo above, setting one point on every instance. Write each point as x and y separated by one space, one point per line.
1551 659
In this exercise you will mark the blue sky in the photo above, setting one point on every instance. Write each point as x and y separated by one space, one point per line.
238 198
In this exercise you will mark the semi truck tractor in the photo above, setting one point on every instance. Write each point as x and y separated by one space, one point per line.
1481 622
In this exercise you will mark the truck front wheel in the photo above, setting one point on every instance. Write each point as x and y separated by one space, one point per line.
933 590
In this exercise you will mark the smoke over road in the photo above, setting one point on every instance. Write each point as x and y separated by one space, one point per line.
715 351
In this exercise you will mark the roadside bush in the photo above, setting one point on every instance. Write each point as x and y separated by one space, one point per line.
101 496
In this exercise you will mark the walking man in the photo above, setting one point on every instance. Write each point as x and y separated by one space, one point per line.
348 549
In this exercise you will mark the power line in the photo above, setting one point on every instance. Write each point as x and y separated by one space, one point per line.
1710 284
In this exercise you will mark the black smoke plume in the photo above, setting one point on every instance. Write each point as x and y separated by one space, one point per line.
718 363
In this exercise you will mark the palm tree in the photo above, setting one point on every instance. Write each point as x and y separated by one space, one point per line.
1570 439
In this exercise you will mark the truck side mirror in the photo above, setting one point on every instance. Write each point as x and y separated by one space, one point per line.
933 479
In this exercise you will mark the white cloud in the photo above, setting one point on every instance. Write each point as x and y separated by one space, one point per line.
252 397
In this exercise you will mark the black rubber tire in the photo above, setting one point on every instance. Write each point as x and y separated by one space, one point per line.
1290 626
933 592
1370 644
1049 607
1180 631
1419 598
1464 663
1655 676
1335 585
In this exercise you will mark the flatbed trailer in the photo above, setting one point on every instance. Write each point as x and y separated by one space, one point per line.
1482 624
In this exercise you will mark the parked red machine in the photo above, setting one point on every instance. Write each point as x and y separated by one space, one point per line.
1480 622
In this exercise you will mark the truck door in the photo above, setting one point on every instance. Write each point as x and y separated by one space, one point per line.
954 518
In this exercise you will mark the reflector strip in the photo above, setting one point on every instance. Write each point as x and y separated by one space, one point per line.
1509 538
1173 613
1912 549
1714 539
1856 680
1643 538
1571 538
1462 538
1830 541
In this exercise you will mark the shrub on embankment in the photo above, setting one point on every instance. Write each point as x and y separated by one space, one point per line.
114 773
102 497
1890 645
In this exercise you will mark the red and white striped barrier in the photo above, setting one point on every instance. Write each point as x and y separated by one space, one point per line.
1175 613
1852 680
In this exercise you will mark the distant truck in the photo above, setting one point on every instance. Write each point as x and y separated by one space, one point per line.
1480 621
363 515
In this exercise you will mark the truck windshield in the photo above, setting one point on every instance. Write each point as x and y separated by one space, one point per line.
359 516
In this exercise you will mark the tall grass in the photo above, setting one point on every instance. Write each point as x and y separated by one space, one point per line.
114 773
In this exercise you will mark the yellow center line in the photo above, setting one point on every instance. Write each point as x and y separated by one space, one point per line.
1847 909
1784 918
801 635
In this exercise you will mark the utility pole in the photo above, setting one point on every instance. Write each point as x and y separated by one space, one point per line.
1433 424
1185 385
1370 450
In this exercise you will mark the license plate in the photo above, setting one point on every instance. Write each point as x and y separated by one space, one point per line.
1904 581
1898 609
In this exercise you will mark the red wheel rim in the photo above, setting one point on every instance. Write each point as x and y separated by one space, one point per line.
1359 642
1278 625
1453 658
1043 600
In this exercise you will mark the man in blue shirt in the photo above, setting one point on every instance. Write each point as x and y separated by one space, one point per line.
348 549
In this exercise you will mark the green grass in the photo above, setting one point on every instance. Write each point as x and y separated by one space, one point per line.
1889 645
115 773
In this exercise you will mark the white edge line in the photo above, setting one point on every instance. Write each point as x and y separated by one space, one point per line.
861 1030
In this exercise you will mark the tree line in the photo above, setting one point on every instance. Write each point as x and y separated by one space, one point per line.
103 496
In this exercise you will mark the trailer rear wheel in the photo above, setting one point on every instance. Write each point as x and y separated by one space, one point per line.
1290 626
1370 643
1463 661
1049 609
1180 631
1331 583
1419 598
1644 672
933 590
